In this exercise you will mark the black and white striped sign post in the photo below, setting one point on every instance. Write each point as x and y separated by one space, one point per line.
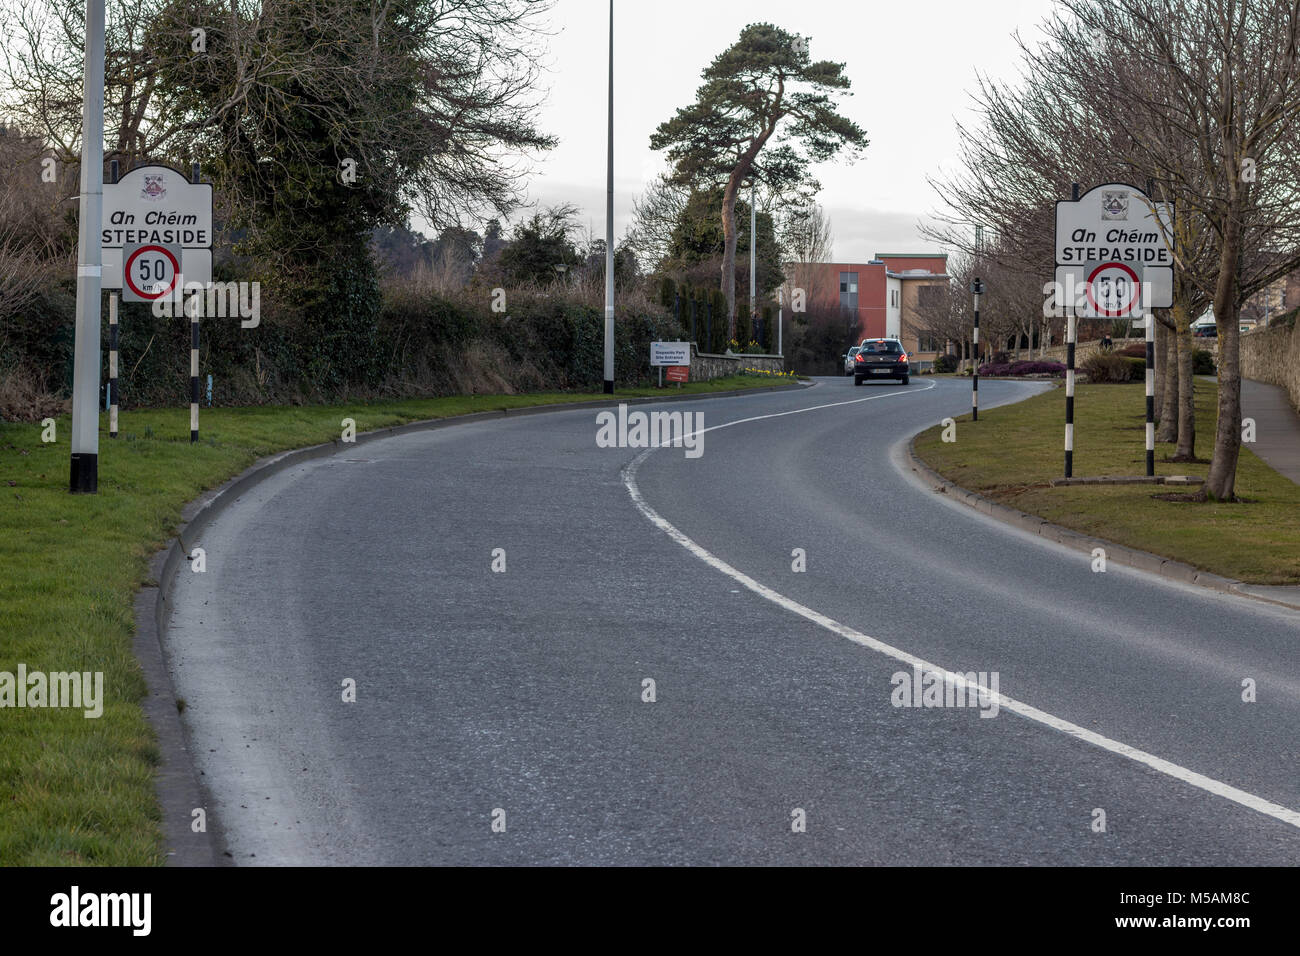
194 373
976 289
112 338
1071 336
1151 394
112 365
194 345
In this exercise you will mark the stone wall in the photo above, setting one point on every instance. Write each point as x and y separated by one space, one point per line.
1056 353
1272 355
705 366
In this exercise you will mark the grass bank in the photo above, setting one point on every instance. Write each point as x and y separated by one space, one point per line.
75 790
1012 453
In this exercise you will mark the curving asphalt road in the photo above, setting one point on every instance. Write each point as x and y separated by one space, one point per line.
522 691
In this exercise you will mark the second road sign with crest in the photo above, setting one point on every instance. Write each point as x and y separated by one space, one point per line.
1113 257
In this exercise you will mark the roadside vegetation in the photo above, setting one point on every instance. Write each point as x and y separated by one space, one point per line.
1014 451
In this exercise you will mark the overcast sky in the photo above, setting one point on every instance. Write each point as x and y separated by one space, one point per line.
910 63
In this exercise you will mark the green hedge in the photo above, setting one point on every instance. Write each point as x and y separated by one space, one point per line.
352 342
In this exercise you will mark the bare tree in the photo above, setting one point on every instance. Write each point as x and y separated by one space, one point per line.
1210 91
1206 89
656 213
807 242
434 97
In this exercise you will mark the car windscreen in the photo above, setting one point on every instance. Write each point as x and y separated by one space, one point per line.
882 348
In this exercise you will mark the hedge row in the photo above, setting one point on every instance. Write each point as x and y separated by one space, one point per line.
417 343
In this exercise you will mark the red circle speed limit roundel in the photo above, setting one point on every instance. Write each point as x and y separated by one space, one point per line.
151 271
1112 289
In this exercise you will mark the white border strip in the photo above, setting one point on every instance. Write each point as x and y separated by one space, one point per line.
1159 764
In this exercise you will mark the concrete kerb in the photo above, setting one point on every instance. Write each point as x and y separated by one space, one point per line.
177 783
1142 560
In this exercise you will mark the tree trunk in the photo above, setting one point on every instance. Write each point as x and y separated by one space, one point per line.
729 253
1167 382
1186 397
1221 481
1158 363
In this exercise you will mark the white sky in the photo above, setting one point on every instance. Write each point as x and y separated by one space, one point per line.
911 65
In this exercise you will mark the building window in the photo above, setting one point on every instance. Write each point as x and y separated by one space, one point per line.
927 343
929 296
849 290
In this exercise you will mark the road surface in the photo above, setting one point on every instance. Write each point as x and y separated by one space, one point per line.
517 696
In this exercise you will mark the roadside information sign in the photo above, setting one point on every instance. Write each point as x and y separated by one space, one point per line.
670 353
156 206
1113 258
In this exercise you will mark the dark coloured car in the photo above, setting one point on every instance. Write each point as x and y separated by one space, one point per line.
881 358
848 359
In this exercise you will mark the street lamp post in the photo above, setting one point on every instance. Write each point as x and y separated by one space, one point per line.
84 472
976 288
609 220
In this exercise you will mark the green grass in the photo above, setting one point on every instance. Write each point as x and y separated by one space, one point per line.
80 791
1012 453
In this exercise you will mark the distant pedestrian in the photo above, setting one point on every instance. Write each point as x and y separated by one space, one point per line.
1106 343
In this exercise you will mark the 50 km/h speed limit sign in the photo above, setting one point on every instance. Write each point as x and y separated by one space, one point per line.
1113 290
149 271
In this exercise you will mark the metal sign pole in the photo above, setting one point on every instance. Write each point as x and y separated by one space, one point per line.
1151 395
84 471
112 342
112 365
1071 337
194 370
197 305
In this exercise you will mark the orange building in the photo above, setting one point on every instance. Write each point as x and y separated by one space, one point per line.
883 293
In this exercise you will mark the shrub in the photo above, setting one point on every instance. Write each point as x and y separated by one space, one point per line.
945 363
1133 351
1202 362
1109 367
1022 368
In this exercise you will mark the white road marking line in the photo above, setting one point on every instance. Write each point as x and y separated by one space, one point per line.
636 463
1159 764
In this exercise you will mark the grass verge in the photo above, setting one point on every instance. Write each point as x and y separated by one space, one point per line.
75 790
1013 451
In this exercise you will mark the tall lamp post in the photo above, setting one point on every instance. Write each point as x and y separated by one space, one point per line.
976 288
84 472
609 221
